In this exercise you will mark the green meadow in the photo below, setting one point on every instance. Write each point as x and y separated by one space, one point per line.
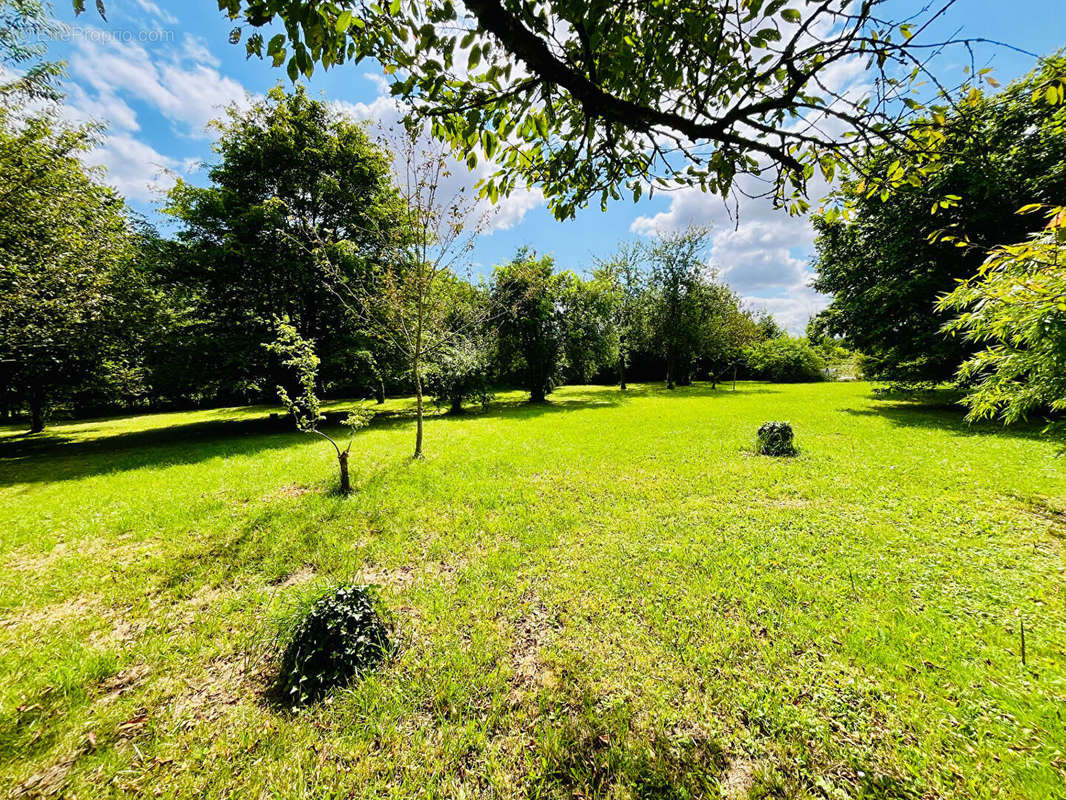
609 595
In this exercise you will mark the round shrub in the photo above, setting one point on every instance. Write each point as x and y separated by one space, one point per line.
341 637
775 439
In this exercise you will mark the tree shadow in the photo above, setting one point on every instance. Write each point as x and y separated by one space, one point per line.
54 456
948 418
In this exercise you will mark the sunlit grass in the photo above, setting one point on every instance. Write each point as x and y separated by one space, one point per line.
607 596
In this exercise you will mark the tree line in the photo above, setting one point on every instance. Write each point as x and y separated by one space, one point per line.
305 221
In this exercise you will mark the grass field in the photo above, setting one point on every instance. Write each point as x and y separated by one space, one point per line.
608 596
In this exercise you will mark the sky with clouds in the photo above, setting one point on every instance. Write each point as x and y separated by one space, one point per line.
158 71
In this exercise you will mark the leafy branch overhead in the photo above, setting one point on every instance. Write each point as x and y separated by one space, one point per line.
590 100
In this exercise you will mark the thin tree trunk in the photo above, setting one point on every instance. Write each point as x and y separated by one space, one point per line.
36 412
418 396
457 405
346 483
622 373
670 372
379 395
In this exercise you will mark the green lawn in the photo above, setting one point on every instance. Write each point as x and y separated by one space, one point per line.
607 596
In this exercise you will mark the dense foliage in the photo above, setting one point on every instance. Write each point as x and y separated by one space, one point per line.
591 99
66 282
341 637
291 173
1002 151
785 360
1014 310
531 323
775 439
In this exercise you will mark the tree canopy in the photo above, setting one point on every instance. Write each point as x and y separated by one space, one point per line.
1004 150
291 174
594 99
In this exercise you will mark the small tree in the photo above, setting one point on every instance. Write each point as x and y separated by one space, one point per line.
623 285
406 300
460 372
299 354
591 341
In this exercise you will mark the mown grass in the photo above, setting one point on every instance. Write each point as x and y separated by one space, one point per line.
607 596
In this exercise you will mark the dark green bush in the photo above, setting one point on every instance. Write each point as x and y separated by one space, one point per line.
775 439
341 637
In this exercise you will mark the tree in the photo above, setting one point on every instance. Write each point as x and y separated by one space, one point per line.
588 99
405 300
461 370
678 263
728 330
1014 311
530 329
768 327
291 173
881 266
622 283
591 342
63 241
298 354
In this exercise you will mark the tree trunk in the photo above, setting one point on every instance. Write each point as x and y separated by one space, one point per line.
537 394
670 372
457 405
36 412
622 373
379 394
419 409
346 483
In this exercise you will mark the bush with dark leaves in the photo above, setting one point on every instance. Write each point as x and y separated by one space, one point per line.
775 439
341 637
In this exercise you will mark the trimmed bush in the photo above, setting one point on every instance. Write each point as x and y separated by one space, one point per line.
775 439
340 638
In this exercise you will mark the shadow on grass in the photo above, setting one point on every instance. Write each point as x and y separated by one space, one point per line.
952 419
53 457
50 458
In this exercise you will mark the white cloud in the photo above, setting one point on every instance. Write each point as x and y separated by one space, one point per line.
761 252
136 170
385 113
151 8
793 311
179 82
114 79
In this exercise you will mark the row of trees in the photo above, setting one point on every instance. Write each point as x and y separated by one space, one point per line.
356 247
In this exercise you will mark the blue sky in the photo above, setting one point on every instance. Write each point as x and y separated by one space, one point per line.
158 70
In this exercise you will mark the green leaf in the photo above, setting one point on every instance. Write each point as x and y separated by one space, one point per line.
791 15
